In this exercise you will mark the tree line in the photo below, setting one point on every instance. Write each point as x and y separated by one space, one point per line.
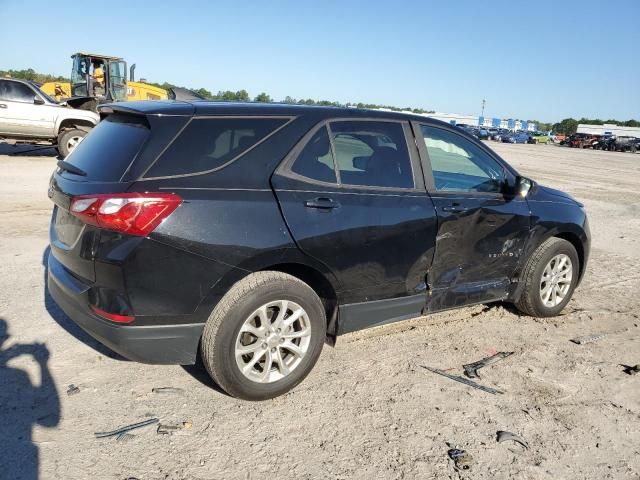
243 96
567 126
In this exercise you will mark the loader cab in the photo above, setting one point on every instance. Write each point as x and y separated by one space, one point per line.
97 79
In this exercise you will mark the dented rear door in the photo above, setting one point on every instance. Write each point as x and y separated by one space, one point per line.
481 229
479 244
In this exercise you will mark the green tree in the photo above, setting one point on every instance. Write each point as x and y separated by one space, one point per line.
203 92
568 126
263 97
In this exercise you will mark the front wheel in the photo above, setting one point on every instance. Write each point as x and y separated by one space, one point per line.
550 277
69 140
264 336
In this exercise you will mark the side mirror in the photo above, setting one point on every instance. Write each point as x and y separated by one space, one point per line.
523 186
37 100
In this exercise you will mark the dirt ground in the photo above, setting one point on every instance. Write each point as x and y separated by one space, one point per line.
368 410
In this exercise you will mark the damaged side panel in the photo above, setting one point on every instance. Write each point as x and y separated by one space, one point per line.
480 242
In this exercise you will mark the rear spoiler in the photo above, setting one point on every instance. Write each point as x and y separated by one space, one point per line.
178 93
148 107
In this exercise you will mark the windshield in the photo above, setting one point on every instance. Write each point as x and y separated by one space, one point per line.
41 93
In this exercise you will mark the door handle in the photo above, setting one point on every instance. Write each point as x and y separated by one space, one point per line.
3 105
454 209
322 203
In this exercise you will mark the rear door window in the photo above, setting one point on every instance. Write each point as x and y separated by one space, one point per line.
316 160
208 144
106 153
372 154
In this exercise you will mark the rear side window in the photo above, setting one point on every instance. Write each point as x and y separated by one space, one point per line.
315 160
210 143
106 153
372 154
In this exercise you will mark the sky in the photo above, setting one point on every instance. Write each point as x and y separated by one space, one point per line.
542 60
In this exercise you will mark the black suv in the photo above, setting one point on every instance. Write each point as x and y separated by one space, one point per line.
249 234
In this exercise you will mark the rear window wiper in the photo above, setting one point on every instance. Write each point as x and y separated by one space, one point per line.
62 165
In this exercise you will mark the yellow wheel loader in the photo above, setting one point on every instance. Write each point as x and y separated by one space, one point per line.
97 79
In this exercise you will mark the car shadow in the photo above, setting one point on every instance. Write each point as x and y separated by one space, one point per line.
28 150
199 373
24 405
65 322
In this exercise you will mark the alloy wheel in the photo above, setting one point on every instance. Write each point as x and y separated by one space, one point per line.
73 142
556 280
273 341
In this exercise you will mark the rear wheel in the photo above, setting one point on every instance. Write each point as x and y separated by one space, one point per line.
264 336
550 277
69 140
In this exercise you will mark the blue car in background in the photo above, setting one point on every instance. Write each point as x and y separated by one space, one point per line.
521 137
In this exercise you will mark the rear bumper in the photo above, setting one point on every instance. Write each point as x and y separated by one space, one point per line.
161 344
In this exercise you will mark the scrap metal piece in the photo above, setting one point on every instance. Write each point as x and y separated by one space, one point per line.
502 436
72 390
167 429
125 437
463 380
126 429
461 458
471 369
167 390
587 339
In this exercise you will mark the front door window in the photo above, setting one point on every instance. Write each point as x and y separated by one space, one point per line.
459 165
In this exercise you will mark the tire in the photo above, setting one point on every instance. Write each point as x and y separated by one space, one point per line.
222 336
68 140
530 301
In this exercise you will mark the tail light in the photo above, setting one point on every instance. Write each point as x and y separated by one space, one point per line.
131 213
114 317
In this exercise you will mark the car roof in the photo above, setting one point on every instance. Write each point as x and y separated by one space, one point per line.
210 108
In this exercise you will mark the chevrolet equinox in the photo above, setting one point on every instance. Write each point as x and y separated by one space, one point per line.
247 234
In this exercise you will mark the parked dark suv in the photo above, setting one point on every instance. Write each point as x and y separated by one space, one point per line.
250 233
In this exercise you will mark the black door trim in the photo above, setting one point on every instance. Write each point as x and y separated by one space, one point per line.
358 316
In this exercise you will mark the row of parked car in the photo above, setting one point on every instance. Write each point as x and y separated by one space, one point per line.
611 143
507 136
607 142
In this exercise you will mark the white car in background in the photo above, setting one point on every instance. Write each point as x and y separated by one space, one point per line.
27 114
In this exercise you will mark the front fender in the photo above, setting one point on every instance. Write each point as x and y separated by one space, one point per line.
554 216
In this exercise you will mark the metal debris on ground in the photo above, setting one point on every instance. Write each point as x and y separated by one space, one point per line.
461 459
125 437
463 380
72 390
128 428
629 370
167 390
167 429
502 436
471 369
588 339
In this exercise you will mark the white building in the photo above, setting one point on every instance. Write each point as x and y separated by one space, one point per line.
609 129
477 121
